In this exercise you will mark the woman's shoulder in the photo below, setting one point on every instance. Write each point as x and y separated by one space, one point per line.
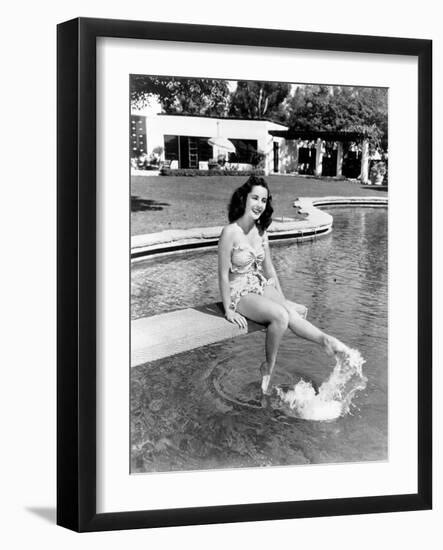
230 230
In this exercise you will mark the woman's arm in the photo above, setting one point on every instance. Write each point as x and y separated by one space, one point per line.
224 263
268 266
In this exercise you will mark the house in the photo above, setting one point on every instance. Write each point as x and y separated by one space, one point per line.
183 140
192 141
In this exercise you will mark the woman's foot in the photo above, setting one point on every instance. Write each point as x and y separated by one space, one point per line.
265 372
333 346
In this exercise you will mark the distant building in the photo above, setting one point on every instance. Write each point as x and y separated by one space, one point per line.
183 140
191 141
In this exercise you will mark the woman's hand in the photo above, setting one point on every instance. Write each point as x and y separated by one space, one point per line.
234 317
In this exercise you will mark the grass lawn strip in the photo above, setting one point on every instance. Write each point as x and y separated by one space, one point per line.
160 203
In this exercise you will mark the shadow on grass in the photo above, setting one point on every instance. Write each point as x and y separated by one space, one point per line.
141 205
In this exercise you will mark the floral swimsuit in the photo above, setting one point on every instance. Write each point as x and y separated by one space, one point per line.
246 272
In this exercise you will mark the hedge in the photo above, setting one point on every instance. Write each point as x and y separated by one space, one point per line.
195 172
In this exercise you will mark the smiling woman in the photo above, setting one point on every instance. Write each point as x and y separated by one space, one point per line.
248 282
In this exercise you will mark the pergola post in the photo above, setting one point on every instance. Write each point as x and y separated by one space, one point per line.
364 174
339 168
319 157
297 146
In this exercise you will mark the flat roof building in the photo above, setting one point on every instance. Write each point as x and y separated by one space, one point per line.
184 140
194 141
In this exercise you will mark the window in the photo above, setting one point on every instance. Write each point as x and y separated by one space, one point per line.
188 150
171 147
205 151
244 150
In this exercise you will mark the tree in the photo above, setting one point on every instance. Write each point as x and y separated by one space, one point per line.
200 96
255 100
340 108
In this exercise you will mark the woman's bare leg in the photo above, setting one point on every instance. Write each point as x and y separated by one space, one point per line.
275 316
300 326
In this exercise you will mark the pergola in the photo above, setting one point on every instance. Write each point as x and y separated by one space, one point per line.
338 137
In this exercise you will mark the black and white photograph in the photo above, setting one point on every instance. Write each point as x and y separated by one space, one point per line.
221 295
259 273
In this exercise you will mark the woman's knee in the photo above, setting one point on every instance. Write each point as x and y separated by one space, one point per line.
296 311
280 316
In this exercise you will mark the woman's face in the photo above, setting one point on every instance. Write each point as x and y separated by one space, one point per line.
256 202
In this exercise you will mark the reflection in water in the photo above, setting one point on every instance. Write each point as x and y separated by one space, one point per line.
203 409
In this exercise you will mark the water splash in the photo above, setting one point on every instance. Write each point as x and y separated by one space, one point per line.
334 396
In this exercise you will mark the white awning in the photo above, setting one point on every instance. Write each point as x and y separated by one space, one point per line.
222 143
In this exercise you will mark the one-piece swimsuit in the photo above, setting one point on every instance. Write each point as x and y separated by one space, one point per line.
246 272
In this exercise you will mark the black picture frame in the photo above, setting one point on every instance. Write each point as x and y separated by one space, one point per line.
76 265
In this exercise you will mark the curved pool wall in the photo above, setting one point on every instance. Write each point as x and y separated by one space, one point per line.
317 223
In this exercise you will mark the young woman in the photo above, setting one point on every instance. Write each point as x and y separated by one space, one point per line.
248 282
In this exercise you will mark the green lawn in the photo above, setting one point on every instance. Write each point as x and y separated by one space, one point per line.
162 202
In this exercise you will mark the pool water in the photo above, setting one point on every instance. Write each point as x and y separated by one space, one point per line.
202 409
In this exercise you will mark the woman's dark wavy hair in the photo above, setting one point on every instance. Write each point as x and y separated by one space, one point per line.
238 202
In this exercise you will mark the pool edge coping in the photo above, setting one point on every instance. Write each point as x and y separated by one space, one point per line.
317 224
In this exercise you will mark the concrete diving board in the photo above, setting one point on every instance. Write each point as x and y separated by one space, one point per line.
174 332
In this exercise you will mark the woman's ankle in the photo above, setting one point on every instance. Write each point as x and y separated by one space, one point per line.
265 368
266 372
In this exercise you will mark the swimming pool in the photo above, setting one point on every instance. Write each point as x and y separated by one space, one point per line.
187 412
